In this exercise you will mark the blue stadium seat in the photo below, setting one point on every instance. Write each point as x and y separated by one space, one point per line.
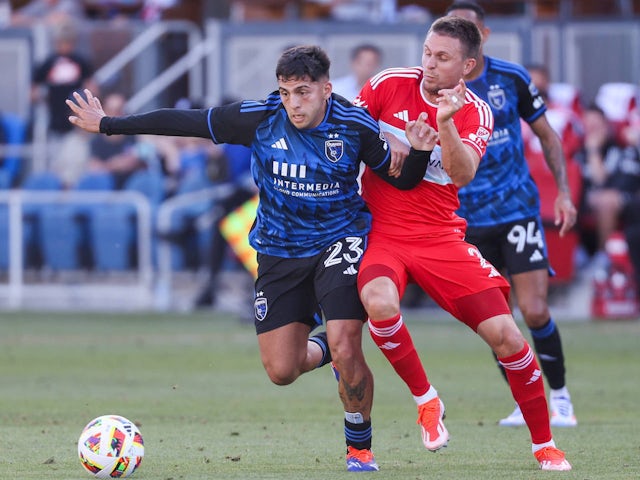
41 181
150 183
61 236
112 233
113 226
4 237
14 130
65 233
30 239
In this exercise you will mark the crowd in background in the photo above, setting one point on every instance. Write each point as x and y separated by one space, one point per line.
601 139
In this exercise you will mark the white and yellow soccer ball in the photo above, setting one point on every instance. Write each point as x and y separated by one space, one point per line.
110 446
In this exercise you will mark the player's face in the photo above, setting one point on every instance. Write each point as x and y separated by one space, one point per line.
305 100
443 62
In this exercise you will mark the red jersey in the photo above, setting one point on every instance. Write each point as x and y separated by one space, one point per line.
393 97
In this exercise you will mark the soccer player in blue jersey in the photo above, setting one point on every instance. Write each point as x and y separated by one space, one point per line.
502 206
311 225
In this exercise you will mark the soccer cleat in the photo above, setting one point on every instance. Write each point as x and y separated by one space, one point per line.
550 458
562 412
361 460
514 420
434 433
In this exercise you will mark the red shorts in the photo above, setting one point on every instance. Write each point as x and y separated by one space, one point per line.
451 271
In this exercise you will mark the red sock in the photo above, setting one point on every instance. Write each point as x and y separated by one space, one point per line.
394 341
525 380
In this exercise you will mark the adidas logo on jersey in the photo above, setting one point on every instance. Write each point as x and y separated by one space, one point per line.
280 144
350 271
536 256
403 115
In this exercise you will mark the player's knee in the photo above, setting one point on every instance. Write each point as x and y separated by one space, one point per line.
502 335
280 374
535 312
379 303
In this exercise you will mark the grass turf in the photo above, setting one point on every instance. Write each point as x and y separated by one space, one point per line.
195 386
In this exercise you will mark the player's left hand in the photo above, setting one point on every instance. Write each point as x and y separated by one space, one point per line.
565 213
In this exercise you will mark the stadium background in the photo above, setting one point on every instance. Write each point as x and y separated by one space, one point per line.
208 51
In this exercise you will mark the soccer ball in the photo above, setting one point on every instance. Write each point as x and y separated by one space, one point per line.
110 446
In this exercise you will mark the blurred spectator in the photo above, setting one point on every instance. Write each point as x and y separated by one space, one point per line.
563 119
112 9
153 10
366 61
359 10
63 72
260 10
47 11
72 157
620 102
611 176
119 155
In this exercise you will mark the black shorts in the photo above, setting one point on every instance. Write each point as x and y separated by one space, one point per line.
517 247
302 289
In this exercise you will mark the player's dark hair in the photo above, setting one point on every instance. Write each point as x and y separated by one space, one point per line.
462 29
303 61
467 5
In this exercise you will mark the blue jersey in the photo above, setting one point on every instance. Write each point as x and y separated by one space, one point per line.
503 190
307 179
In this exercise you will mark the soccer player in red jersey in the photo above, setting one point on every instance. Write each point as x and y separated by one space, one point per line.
417 236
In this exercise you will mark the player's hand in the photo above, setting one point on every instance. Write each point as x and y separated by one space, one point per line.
450 101
565 213
87 113
399 152
420 134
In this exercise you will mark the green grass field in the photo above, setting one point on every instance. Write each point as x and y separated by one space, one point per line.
195 386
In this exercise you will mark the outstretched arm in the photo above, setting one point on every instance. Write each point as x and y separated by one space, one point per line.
89 115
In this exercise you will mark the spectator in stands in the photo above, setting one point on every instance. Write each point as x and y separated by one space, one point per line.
565 121
358 10
365 62
64 71
46 11
611 177
112 9
118 155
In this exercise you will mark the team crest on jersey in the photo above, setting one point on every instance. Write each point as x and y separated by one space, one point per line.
333 149
497 97
260 308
